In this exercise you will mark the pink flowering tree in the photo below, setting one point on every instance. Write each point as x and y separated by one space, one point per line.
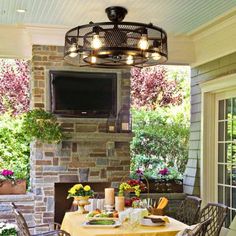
150 88
14 86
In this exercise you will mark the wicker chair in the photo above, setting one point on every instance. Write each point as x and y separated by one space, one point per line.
199 229
218 213
24 229
188 210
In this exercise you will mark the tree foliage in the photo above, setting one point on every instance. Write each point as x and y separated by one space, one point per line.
14 102
14 145
14 86
161 139
160 114
151 88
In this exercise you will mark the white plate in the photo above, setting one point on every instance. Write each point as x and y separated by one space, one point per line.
101 218
117 224
148 222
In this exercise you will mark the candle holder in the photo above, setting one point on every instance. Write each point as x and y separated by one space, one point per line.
109 207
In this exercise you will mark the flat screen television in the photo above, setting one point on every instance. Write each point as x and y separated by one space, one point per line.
83 94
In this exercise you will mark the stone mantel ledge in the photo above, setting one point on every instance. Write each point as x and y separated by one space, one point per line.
115 137
17 197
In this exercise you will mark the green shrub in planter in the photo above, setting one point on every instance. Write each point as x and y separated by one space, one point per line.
43 126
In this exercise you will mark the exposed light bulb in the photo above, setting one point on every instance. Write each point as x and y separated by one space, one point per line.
130 60
73 50
93 59
21 10
143 43
96 42
156 56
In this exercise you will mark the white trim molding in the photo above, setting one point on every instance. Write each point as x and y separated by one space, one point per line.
209 91
215 40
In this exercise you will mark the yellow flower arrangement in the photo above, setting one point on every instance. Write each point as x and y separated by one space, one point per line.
80 190
135 186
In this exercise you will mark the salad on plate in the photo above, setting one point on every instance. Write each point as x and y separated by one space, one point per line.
102 214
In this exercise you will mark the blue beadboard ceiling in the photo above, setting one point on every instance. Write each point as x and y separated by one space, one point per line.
175 16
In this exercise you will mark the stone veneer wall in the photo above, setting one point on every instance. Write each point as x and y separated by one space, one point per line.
211 70
105 154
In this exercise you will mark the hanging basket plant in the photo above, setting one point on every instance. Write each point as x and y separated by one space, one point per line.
43 126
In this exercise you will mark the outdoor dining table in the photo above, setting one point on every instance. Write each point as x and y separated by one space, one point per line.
72 223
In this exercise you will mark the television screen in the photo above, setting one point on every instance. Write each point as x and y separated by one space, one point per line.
82 94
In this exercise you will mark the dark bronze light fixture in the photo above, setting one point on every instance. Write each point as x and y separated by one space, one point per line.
116 43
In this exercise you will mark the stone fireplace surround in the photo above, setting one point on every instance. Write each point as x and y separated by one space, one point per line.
88 146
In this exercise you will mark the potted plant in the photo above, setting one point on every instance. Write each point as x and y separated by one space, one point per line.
10 184
162 180
169 180
135 186
43 126
81 194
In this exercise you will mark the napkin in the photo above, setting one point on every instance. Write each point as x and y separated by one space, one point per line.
162 203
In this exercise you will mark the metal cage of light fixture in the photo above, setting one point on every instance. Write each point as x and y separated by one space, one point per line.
116 43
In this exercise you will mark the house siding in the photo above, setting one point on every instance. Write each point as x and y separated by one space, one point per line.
209 71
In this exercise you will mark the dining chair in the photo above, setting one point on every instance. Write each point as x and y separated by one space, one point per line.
189 210
24 229
218 213
199 229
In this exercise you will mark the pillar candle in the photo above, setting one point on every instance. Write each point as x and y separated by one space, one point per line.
109 196
120 203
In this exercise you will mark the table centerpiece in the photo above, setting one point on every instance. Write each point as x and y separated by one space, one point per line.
81 194
131 186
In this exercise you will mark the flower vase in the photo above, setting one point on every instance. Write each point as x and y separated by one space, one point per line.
82 201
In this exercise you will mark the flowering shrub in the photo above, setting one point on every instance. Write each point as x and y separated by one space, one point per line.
164 172
132 185
80 190
168 174
7 229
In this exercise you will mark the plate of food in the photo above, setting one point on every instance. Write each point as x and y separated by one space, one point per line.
101 223
98 214
154 221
